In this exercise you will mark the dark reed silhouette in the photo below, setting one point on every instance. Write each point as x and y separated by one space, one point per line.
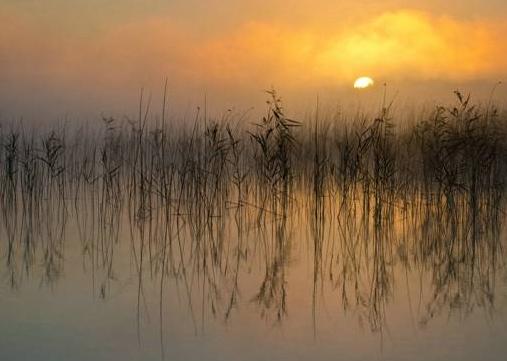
366 200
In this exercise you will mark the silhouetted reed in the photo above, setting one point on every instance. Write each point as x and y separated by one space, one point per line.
200 205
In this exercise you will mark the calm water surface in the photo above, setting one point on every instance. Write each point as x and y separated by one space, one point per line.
321 280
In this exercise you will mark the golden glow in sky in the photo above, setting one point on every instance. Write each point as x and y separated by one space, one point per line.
95 50
401 44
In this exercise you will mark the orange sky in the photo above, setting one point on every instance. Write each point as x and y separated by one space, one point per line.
91 53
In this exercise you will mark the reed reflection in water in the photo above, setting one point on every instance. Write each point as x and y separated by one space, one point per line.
326 219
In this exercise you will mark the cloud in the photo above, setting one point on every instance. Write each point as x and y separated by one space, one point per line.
418 45
398 44
402 44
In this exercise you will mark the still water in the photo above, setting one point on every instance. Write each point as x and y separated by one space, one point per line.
329 279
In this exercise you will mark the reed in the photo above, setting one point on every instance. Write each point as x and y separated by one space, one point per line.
200 205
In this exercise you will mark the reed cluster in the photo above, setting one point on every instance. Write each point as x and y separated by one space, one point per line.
198 202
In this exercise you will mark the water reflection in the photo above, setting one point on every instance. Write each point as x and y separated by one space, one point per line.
359 244
192 218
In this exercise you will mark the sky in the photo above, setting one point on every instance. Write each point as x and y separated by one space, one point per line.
82 58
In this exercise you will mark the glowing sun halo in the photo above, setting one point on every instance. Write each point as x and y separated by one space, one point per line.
363 82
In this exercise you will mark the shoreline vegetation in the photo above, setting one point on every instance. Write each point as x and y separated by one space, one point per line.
199 205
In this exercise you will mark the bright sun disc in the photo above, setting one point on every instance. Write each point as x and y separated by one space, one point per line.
363 82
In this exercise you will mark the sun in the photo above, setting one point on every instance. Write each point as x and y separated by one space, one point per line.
363 82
